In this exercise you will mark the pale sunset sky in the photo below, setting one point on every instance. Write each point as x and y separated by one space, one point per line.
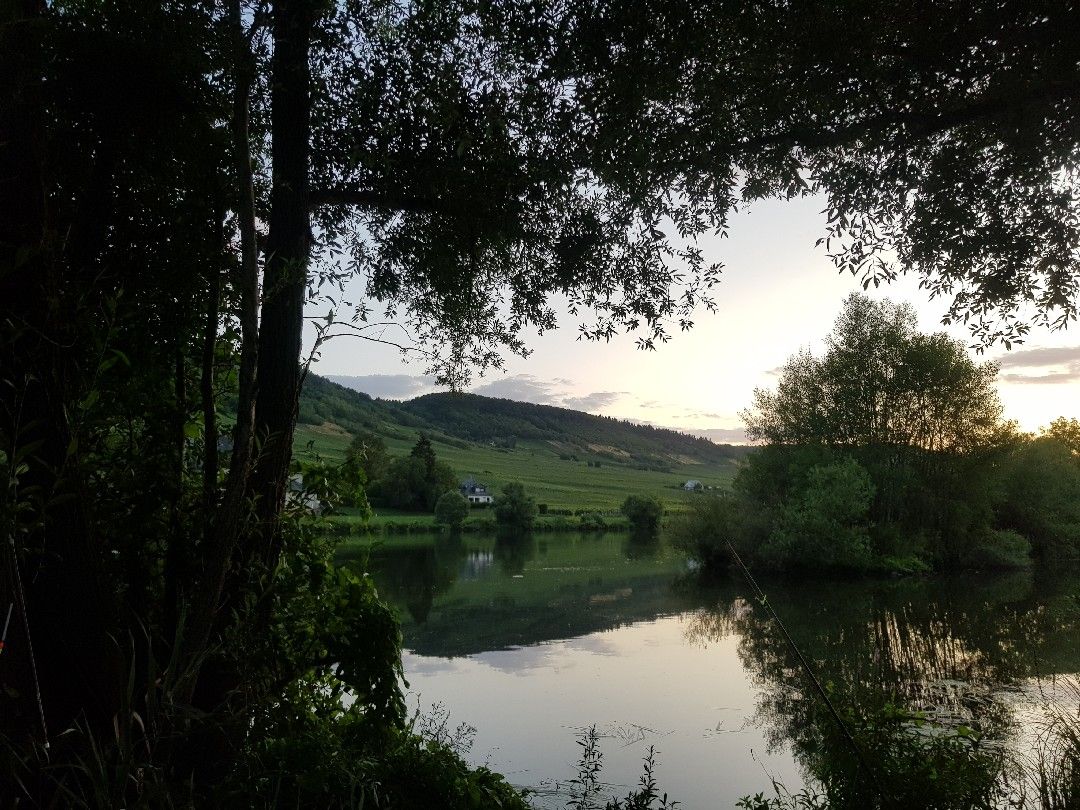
778 293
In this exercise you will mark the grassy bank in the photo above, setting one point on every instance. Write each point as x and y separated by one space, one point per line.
390 521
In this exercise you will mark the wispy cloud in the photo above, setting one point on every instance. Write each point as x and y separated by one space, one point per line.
1040 358
1054 366
386 386
594 401
1053 378
521 387
721 435
527 388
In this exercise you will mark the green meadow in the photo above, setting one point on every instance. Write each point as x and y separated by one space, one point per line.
559 483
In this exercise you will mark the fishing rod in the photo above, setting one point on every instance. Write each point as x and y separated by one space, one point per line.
859 755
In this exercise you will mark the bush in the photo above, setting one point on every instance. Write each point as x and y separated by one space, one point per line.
592 522
1041 497
827 524
643 512
1002 549
708 525
451 510
514 510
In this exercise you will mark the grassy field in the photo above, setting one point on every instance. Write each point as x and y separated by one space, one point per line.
558 483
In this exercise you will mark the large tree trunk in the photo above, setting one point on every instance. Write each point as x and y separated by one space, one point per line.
267 411
285 276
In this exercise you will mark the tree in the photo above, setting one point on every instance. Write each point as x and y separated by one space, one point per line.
643 512
941 136
911 411
1040 495
370 452
880 383
469 162
451 510
1066 431
411 485
514 510
423 451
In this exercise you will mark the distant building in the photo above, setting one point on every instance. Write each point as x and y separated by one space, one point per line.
475 493
693 486
294 493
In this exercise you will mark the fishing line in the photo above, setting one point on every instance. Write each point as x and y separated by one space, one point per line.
764 600
7 622
21 599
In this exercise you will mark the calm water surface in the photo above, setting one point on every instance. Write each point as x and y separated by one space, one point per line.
530 641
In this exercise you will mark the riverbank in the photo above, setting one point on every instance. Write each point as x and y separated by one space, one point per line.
389 521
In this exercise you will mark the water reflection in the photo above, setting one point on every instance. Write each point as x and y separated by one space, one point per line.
512 551
528 637
471 594
962 652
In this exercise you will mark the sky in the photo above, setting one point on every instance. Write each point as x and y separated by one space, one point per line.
778 294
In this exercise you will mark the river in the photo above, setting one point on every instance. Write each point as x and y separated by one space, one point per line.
528 642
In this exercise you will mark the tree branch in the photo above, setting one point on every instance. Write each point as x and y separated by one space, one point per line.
923 123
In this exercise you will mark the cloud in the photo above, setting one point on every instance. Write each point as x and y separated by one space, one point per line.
386 386
1058 365
527 388
520 387
1053 378
720 435
592 402
1040 358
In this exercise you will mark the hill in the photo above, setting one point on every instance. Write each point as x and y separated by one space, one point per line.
567 458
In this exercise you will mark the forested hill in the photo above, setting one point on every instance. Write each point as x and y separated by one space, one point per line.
484 419
504 423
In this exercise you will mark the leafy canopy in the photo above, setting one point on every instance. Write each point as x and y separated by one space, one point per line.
880 382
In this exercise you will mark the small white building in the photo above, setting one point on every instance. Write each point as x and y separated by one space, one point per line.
295 493
693 486
476 493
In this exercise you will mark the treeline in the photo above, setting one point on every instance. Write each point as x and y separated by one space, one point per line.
889 452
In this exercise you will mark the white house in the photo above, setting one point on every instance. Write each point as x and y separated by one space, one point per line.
693 486
476 493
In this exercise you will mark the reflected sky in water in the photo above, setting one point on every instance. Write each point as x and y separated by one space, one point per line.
533 639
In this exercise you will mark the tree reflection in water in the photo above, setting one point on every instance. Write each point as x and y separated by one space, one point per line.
963 655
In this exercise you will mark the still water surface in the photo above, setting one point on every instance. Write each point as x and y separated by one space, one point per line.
530 641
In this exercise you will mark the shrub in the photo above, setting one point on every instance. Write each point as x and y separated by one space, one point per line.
514 510
708 525
451 509
1002 549
643 512
592 522
827 524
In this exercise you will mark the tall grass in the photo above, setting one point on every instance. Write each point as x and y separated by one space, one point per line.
1053 770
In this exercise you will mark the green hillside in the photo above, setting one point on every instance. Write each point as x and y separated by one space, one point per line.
567 459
